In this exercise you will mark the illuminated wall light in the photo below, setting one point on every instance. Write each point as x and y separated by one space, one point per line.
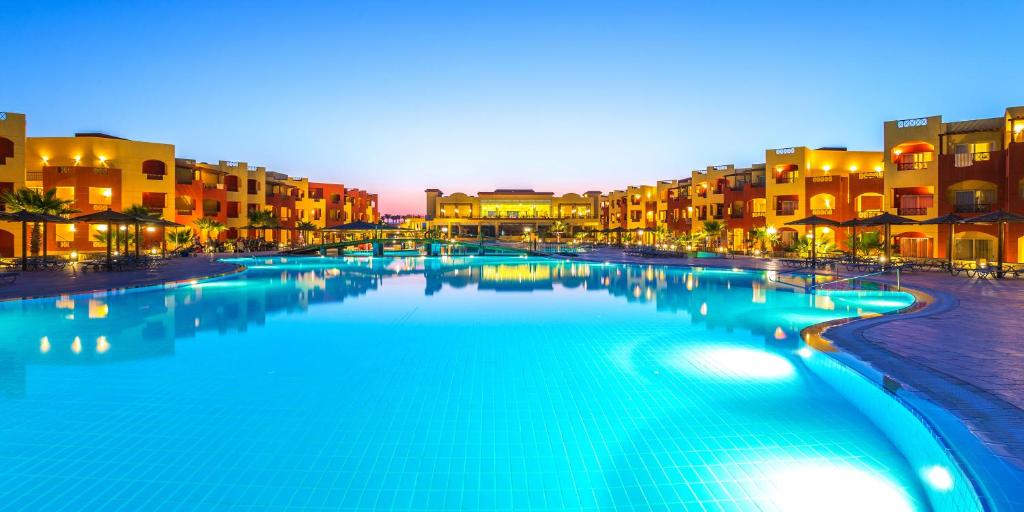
107 192
101 227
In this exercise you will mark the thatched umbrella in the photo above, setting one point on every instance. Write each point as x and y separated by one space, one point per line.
952 219
1000 218
25 217
109 218
886 220
813 221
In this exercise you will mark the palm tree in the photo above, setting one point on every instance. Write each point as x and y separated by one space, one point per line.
765 237
209 226
137 210
558 227
33 201
262 219
118 237
304 226
712 231
868 242
661 233
181 237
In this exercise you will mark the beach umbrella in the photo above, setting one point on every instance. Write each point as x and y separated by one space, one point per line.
952 219
886 220
813 221
25 217
1000 218
109 218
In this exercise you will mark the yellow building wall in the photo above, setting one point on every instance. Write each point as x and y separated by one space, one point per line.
12 128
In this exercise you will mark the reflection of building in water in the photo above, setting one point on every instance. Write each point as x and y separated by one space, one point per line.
130 326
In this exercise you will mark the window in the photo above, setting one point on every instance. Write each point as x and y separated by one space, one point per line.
6 150
972 249
970 201
211 207
66 193
253 186
914 247
100 196
966 154
231 183
184 205
154 169
154 200
232 209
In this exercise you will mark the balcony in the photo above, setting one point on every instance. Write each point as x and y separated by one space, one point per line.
785 211
823 211
184 213
736 214
911 166
968 159
867 214
757 215
869 176
821 179
972 208
911 211
738 186
786 178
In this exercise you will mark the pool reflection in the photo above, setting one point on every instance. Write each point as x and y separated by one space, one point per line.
120 326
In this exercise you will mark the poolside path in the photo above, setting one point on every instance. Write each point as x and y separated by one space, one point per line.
964 352
49 283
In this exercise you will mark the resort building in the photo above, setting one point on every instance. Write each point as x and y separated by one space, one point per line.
510 212
832 183
97 171
967 168
745 204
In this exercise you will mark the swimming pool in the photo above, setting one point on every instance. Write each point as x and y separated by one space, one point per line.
450 384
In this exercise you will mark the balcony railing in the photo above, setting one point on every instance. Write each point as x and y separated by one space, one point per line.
822 211
912 211
786 178
972 208
911 166
869 176
185 213
738 186
867 214
821 179
736 214
757 215
968 159
785 211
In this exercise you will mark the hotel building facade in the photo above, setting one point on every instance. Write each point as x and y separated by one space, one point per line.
97 171
927 168
511 212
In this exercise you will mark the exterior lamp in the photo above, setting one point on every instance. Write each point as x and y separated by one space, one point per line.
74 256
771 230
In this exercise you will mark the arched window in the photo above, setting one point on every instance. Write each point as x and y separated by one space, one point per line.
6 150
154 169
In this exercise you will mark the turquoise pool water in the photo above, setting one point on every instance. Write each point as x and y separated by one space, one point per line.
430 384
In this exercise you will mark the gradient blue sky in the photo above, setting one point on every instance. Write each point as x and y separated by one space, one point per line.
397 97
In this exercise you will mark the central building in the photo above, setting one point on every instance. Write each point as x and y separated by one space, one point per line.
512 212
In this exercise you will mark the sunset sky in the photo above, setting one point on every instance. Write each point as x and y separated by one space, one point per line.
396 97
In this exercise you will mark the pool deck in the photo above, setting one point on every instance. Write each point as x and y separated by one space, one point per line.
69 281
965 351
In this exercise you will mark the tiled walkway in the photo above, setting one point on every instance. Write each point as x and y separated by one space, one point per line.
964 352
46 283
